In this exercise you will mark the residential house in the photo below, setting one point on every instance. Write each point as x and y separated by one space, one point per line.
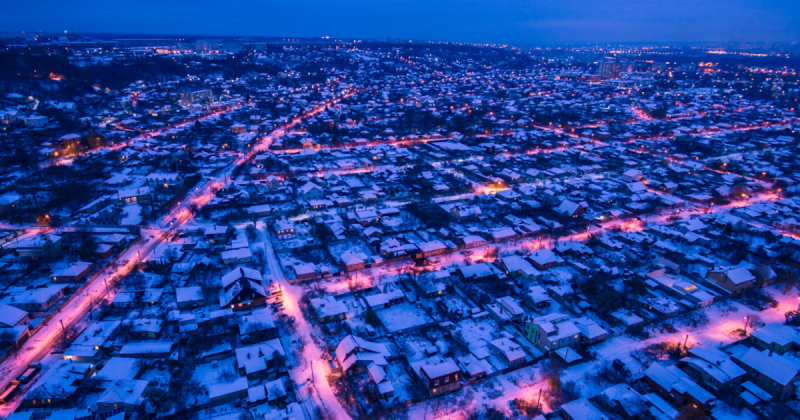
675 386
441 376
773 373
552 331
775 337
242 289
328 309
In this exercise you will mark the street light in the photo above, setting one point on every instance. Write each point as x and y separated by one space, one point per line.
685 340
745 324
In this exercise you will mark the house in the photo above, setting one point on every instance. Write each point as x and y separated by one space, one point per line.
60 387
353 260
432 248
75 273
189 297
40 246
510 352
11 316
774 337
9 201
480 271
773 373
328 309
569 208
509 195
254 361
216 234
94 342
472 241
125 394
591 332
354 354
236 256
441 376
103 251
388 295
538 296
632 175
432 283
222 393
36 121
164 181
367 217
132 298
242 289
463 212
544 258
134 195
378 375
310 191
733 279
304 271
259 323
515 265
626 401
505 309
712 367
632 188
582 409
14 337
284 229
552 331
36 300
677 387
145 328
272 392
117 368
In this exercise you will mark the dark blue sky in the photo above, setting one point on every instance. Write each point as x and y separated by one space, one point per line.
518 22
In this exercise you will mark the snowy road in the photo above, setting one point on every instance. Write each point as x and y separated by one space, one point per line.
312 354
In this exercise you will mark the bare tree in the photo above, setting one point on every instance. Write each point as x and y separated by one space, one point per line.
789 278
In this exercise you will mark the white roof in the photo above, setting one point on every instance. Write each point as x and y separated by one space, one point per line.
440 369
771 367
240 273
10 316
775 333
189 294
740 275
582 409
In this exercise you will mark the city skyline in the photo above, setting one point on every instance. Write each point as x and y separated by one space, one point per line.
473 21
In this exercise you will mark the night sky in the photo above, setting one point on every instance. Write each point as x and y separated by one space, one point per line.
518 22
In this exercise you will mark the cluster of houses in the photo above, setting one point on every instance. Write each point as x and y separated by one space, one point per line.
446 230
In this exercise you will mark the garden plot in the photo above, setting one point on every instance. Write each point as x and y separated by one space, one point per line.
403 317
355 245
405 221
132 214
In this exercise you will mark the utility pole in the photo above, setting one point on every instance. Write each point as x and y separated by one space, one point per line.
538 399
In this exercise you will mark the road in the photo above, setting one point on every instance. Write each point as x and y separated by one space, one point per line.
313 356
69 159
